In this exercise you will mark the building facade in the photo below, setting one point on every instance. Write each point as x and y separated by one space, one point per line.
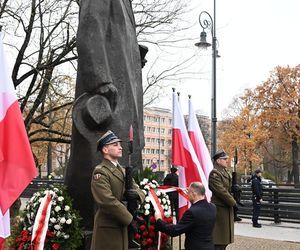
157 153
158 138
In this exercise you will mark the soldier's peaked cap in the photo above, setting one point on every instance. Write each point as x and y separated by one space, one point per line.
220 154
108 138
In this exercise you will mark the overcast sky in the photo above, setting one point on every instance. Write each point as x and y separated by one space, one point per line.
254 36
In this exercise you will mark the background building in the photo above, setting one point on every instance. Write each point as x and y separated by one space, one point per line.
157 152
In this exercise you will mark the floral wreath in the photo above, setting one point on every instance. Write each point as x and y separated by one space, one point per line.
63 230
147 235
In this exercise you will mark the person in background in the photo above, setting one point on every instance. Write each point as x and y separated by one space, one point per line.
220 182
197 222
171 179
108 188
257 194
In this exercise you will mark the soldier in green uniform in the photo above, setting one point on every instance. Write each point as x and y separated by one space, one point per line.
108 188
220 182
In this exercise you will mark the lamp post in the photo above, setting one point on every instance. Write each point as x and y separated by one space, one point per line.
207 22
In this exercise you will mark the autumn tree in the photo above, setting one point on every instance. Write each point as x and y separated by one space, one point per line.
277 105
265 126
239 130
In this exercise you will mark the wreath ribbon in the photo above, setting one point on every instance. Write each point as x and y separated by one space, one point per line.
157 206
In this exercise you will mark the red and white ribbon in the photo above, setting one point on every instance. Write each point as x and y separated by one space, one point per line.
157 206
41 221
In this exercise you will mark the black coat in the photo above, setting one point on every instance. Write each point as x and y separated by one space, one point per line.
197 223
172 180
257 190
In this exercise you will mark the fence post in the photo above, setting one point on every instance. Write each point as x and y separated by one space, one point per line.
276 207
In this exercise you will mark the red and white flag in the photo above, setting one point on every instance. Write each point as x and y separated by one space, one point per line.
183 155
199 145
17 166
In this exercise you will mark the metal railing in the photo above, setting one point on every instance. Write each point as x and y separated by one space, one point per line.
280 203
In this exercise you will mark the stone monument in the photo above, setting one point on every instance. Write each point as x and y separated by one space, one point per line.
108 95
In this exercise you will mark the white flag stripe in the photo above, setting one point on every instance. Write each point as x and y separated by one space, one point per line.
4 225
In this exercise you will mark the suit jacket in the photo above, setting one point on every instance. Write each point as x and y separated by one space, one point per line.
197 223
220 184
112 217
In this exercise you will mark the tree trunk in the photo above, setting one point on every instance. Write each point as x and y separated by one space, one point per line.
295 153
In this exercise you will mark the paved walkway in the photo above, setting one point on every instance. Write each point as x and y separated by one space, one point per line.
283 236
270 237
269 230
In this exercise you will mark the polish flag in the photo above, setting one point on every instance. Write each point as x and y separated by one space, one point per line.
184 156
17 167
199 145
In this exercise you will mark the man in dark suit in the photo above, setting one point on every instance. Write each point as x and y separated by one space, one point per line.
172 180
197 222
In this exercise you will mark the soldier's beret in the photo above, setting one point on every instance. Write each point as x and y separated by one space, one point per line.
108 138
220 154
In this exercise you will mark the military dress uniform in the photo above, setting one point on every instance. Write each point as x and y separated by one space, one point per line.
112 217
220 182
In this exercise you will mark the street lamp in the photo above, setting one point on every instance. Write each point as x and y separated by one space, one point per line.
207 22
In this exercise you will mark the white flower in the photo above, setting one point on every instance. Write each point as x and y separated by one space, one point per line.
62 220
147 187
60 198
168 202
69 221
52 219
167 213
66 236
57 227
57 208
152 186
164 200
166 207
67 208
144 191
147 212
158 193
40 200
147 206
51 192
146 180
147 199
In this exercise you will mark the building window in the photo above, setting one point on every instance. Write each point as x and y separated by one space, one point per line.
162 131
152 151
